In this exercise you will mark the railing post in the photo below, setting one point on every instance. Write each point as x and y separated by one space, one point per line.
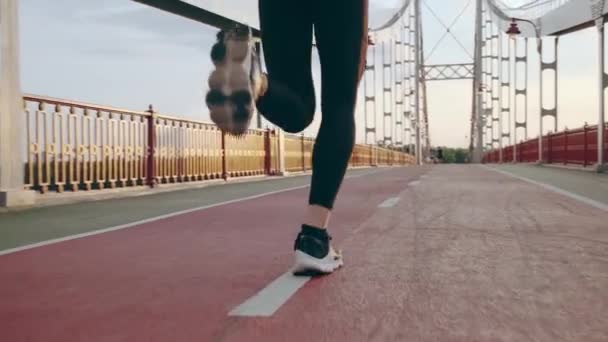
603 84
586 146
519 151
549 148
281 151
224 157
267 152
302 151
151 153
605 135
566 146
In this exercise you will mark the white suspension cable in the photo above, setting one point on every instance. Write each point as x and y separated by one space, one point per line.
448 29
395 18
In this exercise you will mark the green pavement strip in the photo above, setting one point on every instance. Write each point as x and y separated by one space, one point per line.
583 183
35 225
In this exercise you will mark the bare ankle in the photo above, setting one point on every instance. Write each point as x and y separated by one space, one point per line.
317 216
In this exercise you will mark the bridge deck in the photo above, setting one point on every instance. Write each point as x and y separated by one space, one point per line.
465 254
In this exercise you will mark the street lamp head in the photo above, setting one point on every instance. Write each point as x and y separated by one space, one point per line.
513 30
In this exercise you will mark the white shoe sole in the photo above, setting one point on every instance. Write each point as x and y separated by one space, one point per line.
305 264
230 97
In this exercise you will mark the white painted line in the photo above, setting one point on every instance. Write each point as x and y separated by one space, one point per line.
423 176
140 222
161 217
389 202
414 183
555 189
266 302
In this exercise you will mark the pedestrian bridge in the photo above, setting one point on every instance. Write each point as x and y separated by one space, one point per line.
131 224
432 253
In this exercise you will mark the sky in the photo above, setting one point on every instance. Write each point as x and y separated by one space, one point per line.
124 54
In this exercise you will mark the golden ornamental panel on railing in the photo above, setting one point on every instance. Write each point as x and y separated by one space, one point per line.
246 154
308 144
272 145
361 156
80 146
186 150
294 160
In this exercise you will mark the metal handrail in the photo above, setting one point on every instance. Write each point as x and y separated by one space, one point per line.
196 13
83 105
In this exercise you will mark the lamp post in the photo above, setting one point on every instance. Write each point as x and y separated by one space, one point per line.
513 32
480 125
417 74
601 157
477 86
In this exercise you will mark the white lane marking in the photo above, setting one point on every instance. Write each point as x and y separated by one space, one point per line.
389 202
161 217
414 183
140 222
560 191
266 302
423 176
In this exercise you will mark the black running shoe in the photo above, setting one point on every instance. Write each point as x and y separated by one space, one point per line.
314 253
236 82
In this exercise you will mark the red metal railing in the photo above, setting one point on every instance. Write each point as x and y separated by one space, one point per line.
569 147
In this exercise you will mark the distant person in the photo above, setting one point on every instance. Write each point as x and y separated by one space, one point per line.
285 96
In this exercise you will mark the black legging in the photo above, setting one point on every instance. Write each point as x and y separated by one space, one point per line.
340 28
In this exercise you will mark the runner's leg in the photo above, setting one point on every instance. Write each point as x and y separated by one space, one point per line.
341 33
289 101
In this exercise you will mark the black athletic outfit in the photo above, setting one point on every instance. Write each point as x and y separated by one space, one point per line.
340 29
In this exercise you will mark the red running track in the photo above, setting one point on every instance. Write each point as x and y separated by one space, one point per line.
466 254
174 279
